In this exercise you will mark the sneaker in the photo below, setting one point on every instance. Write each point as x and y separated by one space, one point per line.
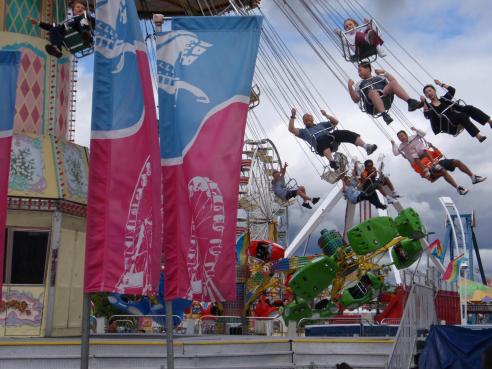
371 148
381 52
414 104
306 205
461 190
387 118
395 195
383 207
53 51
315 200
390 200
334 165
482 139
477 179
426 172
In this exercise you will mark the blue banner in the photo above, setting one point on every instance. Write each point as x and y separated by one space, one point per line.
9 70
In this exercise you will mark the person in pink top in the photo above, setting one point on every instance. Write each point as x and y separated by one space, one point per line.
412 148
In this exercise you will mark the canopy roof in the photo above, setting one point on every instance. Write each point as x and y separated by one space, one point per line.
171 8
179 7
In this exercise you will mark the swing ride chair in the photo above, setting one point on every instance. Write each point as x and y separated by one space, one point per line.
442 115
254 97
330 175
434 152
374 185
366 105
364 53
290 185
73 41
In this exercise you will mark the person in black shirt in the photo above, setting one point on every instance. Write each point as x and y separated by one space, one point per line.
372 89
446 115
80 21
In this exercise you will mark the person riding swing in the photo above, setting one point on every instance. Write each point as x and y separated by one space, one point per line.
375 94
323 138
285 193
371 180
80 22
429 162
449 116
353 193
360 42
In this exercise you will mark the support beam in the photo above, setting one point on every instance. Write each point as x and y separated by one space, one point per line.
324 207
479 258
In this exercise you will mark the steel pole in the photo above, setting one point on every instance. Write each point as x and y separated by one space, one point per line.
169 334
84 352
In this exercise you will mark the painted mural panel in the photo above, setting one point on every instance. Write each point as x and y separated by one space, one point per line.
75 171
21 310
32 172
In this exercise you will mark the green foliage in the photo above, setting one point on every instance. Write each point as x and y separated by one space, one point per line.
102 307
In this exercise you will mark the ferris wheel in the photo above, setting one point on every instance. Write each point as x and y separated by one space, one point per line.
259 210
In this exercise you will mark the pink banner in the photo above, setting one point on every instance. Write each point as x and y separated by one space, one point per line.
205 70
123 248
200 210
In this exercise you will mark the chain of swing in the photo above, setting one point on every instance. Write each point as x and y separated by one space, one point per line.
281 77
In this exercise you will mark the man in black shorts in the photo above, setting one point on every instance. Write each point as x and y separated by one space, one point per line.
444 166
323 137
372 89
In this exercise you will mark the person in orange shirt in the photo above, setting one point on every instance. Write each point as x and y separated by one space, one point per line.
371 181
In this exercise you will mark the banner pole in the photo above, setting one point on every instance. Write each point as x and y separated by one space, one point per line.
84 352
169 334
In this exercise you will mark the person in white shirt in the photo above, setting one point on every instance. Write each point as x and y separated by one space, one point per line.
413 148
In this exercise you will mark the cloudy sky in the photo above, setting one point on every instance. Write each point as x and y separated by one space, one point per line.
452 39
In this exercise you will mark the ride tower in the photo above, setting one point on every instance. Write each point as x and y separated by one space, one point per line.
45 235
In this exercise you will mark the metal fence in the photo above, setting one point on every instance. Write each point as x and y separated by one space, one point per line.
345 321
144 324
236 325
419 314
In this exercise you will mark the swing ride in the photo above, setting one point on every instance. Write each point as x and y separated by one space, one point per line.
355 264
351 277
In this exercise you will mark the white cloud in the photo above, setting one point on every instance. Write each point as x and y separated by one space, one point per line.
455 52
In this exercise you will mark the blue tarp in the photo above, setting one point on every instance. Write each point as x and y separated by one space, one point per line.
450 347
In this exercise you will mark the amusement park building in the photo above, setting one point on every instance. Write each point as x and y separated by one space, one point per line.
44 253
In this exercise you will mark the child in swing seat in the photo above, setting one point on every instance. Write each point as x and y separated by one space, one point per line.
79 21
355 40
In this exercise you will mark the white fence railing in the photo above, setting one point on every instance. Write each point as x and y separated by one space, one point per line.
419 314
152 323
236 325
